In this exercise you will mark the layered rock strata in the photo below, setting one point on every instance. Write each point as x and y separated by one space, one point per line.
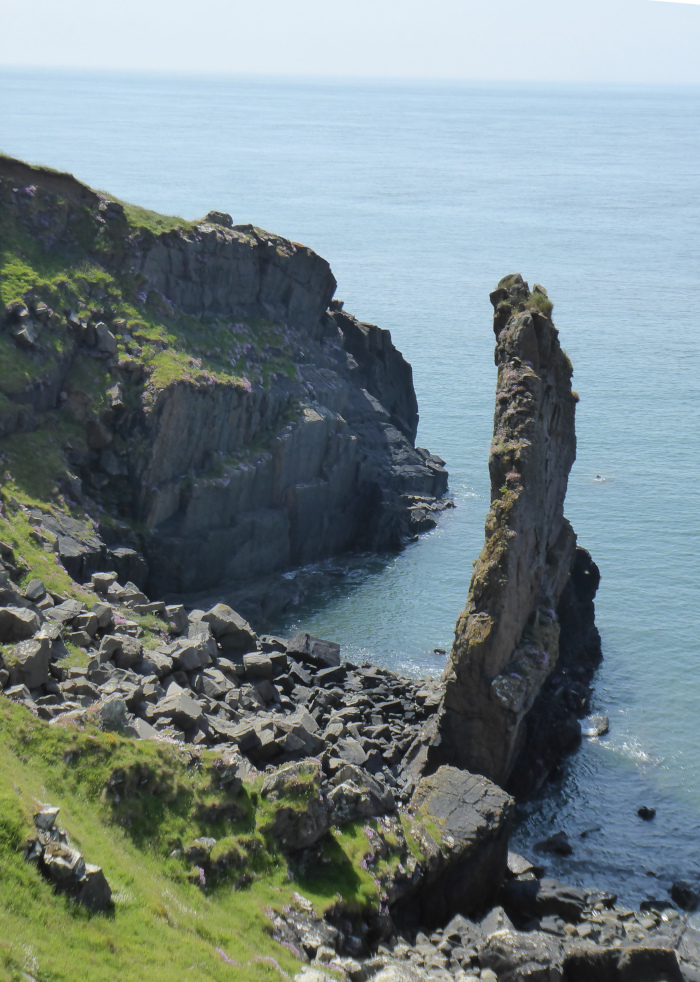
222 402
507 639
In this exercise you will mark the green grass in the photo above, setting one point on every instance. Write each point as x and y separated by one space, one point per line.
128 806
159 918
152 221
35 559
540 302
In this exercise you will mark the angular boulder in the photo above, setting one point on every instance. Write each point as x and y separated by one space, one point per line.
523 957
633 964
232 632
300 816
17 624
465 821
356 794
305 647
29 663
179 706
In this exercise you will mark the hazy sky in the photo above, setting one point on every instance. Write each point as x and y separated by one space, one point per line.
566 40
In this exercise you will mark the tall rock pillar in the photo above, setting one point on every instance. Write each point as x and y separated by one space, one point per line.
507 637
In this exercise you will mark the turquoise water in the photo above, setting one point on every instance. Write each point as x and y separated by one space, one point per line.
422 196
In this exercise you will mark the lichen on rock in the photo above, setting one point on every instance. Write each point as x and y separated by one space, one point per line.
507 637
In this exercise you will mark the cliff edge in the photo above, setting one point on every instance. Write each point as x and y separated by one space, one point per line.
195 387
508 637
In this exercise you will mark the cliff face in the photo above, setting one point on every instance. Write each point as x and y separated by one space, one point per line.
507 638
217 398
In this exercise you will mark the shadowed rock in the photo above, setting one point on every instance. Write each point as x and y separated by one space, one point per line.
507 637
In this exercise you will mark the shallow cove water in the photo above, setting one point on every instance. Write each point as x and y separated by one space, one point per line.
422 196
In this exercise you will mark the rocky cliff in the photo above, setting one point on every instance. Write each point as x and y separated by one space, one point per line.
530 576
214 402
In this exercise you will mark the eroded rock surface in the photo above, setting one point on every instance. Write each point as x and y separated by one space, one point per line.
259 427
507 639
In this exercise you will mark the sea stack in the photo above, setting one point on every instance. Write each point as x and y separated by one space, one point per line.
507 638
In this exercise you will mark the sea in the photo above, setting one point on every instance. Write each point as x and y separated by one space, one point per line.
422 196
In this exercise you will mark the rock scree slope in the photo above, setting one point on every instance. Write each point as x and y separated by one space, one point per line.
206 390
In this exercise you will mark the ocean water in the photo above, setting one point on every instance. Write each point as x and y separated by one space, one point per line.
422 196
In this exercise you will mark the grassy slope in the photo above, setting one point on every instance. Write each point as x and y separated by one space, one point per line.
162 924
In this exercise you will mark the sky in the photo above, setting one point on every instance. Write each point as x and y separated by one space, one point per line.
536 40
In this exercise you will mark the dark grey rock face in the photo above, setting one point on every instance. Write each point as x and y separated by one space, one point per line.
508 637
227 480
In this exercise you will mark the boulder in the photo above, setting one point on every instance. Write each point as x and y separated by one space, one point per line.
304 727
17 624
105 340
684 893
179 707
523 957
257 666
558 844
101 582
155 661
45 818
305 647
400 973
128 653
113 712
29 663
63 863
104 614
356 794
232 632
190 654
469 819
638 964
527 899
176 616
300 816
35 590
65 612
94 891
140 729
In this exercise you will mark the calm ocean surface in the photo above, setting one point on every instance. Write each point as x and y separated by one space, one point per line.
422 196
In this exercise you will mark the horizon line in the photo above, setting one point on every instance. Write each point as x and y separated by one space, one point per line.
324 77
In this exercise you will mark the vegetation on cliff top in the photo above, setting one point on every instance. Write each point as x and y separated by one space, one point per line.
63 265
